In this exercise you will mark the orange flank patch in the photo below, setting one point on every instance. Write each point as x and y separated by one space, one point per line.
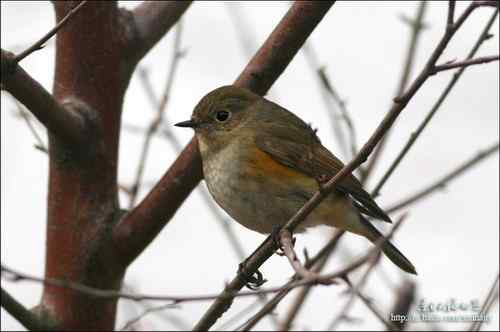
262 164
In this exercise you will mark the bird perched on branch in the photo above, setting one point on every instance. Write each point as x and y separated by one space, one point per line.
262 164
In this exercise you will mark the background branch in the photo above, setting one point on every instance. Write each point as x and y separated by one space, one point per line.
451 84
442 182
417 26
404 301
150 21
60 121
40 43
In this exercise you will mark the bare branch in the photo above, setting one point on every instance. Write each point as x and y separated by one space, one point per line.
417 26
482 37
451 14
16 276
490 299
40 43
27 319
357 289
288 37
334 103
287 244
40 145
320 257
60 121
465 63
146 312
442 182
151 20
155 123
404 301
304 292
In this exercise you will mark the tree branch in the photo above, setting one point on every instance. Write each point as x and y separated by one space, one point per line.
321 256
281 46
405 298
134 233
442 182
491 298
40 43
150 21
417 26
28 319
286 242
60 121
156 122
465 63
482 37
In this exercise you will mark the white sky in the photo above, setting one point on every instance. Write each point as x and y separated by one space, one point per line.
451 237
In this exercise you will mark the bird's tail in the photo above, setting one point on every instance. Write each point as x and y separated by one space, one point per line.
388 248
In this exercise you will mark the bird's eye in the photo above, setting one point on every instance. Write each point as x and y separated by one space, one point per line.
222 116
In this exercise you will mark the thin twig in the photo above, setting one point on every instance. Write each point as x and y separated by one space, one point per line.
335 105
16 276
442 182
417 26
357 289
155 123
146 312
301 296
323 254
40 43
369 304
414 136
225 326
40 145
491 297
465 63
286 242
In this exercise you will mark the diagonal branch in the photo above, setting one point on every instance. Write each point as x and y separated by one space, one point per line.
490 299
148 23
465 63
60 121
286 242
27 318
417 26
41 42
134 233
315 262
155 123
451 84
442 182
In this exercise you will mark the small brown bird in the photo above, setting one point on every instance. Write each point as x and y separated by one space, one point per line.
262 164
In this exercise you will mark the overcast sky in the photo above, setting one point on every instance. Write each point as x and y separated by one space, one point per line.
452 237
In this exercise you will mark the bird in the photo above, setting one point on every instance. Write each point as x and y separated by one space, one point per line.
262 163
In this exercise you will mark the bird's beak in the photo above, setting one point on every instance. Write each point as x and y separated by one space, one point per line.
188 123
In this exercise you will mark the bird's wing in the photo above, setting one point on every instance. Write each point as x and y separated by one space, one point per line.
309 156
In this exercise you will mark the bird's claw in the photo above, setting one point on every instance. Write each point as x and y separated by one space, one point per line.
252 281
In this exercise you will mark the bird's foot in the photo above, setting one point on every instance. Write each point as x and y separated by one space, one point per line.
252 281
